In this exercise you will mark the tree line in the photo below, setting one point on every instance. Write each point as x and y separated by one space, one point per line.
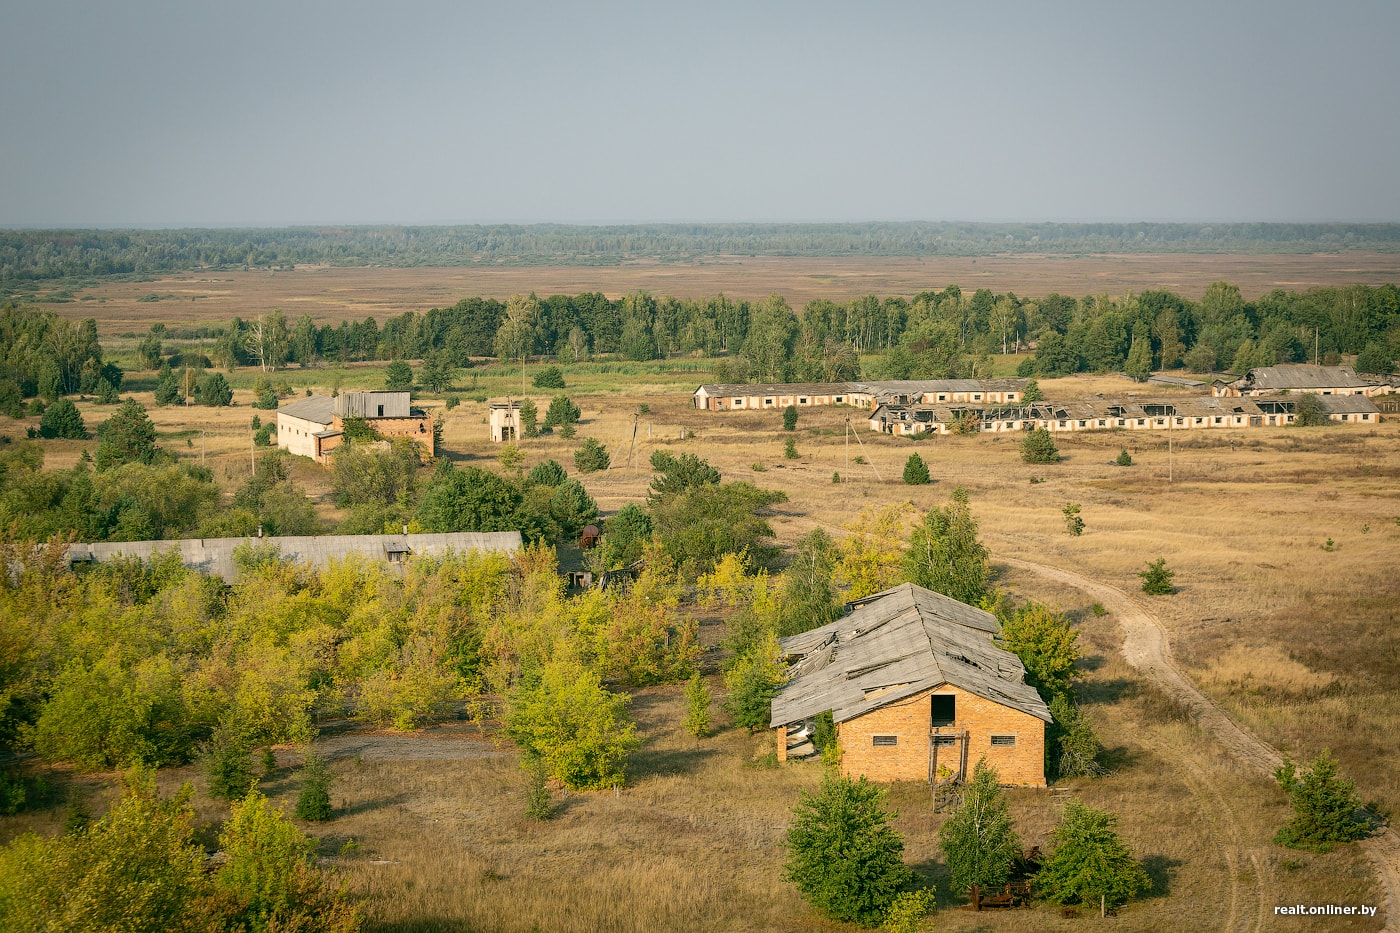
30 255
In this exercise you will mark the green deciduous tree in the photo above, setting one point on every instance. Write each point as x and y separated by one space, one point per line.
675 474
700 525
1309 411
1090 863
1075 748
565 717
437 371
945 554
915 471
1039 447
843 854
468 499
1047 645
1325 806
398 376
977 839
751 683
62 419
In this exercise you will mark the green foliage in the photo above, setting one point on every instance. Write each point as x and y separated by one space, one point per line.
314 799
213 390
529 417
790 448
945 554
1047 645
1375 359
437 371
1074 524
750 685
697 706
561 412
591 456
135 870
452 401
790 418
228 762
1039 447
843 854
11 399
537 803
168 389
357 431
1139 364
266 395
565 717
1309 411
546 473
398 376
1124 458
677 474
1074 746
699 526
836 478
915 471
909 911
128 436
977 839
807 588
468 499
1325 806
269 761
624 537
1157 579
551 377
1032 393
1090 864
62 419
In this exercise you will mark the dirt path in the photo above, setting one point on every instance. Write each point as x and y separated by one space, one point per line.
1147 648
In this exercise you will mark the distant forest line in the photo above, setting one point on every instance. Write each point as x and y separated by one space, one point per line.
33 255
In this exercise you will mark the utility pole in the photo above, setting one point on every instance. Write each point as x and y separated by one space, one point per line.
1170 422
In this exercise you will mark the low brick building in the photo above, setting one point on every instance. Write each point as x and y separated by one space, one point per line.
315 426
918 692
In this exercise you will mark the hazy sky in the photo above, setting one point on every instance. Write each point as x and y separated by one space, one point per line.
188 113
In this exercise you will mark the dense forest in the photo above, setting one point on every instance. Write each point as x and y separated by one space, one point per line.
943 334
27 255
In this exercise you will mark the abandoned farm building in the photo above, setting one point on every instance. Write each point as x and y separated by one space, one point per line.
315 426
856 394
918 692
215 556
1300 377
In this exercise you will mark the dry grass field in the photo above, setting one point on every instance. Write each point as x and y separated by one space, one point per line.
1297 641
336 294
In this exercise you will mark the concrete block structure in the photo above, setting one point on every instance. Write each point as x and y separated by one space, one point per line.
918 691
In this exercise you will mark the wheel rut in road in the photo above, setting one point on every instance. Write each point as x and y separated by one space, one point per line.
1147 647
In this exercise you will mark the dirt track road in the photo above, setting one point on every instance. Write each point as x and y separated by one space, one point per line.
1147 648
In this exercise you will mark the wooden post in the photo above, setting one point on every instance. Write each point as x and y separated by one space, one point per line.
1103 905
976 898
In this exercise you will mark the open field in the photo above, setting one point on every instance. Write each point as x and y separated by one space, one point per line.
335 294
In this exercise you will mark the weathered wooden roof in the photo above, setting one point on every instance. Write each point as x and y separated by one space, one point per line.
1302 376
732 390
894 645
214 556
1346 404
317 408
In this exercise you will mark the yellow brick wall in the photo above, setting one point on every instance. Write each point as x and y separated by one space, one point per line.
1022 763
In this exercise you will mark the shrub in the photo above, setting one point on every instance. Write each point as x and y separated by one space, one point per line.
565 717
1075 747
1157 579
1124 458
1073 523
1090 863
1324 806
452 401
398 376
269 760
697 706
537 802
751 683
790 418
915 471
228 763
314 800
977 839
62 419
908 910
790 449
551 377
561 412
1039 447
591 456
1032 393
843 854
836 477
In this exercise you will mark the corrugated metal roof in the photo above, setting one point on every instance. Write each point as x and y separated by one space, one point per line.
317 408
214 556
894 645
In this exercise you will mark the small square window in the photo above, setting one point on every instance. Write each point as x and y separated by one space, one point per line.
945 740
1003 740
884 740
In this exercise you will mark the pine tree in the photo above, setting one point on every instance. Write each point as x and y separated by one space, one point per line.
1325 806
1157 579
843 854
915 471
398 376
591 456
1124 458
62 419
790 418
1039 447
168 391
314 800
978 840
1032 393
1090 864
697 706
1074 524
228 763
1074 744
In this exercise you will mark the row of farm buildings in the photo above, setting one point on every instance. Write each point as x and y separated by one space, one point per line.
1264 397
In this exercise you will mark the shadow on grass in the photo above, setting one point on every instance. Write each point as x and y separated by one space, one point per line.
649 761
1108 691
1159 870
1120 758
366 806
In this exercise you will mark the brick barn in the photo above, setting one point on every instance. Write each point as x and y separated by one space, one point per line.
918 692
